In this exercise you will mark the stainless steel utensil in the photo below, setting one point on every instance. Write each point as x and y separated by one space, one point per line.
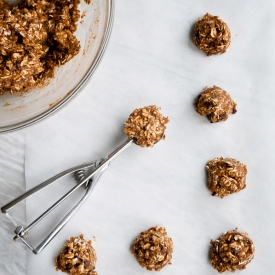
89 182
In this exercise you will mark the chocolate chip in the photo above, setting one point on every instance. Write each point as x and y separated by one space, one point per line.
209 117
222 116
208 104
87 263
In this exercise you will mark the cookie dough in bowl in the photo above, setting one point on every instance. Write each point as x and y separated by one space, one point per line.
22 109
146 126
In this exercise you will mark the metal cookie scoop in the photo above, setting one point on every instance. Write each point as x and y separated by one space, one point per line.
88 182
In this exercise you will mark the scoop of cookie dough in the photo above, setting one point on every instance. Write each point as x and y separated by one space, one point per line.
146 126
211 35
77 257
153 248
226 176
215 103
232 251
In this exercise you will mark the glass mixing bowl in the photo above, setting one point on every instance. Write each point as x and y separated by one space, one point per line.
93 32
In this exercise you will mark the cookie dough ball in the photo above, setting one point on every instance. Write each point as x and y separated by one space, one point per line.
77 257
232 251
211 35
153 248
215 103
225 176
146 126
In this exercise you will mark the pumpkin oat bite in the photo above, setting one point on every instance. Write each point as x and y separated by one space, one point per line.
77 257
211 35
146 126
232 251
153 248
226 176
215 103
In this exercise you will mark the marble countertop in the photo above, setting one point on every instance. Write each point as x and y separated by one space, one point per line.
150 60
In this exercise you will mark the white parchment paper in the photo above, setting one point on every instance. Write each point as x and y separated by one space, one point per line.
151 60
13 255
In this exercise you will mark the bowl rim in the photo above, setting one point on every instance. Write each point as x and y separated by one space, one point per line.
81 84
